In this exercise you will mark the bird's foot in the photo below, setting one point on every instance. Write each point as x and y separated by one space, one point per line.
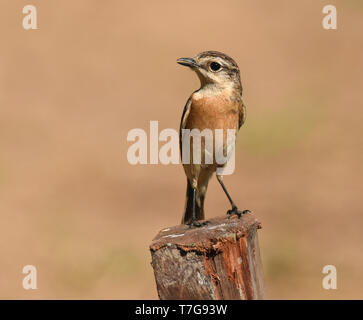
235 211
197 224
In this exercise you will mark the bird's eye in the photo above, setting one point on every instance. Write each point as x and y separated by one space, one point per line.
214 66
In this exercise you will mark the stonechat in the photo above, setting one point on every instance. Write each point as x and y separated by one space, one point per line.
217 104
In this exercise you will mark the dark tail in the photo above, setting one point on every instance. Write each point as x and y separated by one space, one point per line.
187 217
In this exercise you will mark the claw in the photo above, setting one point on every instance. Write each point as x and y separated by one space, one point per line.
197 224
235 211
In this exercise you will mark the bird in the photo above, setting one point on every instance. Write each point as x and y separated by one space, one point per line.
217 104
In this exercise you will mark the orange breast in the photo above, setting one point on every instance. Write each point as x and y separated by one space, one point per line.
212 113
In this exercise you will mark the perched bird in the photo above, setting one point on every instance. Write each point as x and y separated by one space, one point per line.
216 105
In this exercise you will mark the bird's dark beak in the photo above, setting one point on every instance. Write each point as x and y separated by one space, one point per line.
189 62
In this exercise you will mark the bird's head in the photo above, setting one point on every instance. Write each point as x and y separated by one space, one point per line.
214 68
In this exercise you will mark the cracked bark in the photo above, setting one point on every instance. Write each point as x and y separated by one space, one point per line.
218 261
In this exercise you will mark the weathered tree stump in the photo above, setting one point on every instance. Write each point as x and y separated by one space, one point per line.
220 260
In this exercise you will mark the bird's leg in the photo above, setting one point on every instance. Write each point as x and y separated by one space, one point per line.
234 209
195 222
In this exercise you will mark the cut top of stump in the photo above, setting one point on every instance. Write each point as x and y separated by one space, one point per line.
208 237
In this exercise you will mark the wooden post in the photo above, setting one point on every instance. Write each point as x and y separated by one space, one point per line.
220 260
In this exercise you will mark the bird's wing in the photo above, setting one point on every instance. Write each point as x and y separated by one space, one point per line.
183 121
242 114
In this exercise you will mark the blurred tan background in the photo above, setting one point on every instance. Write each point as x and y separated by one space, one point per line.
71 204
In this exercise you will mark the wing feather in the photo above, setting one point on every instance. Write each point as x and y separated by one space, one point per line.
242 114
183 122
